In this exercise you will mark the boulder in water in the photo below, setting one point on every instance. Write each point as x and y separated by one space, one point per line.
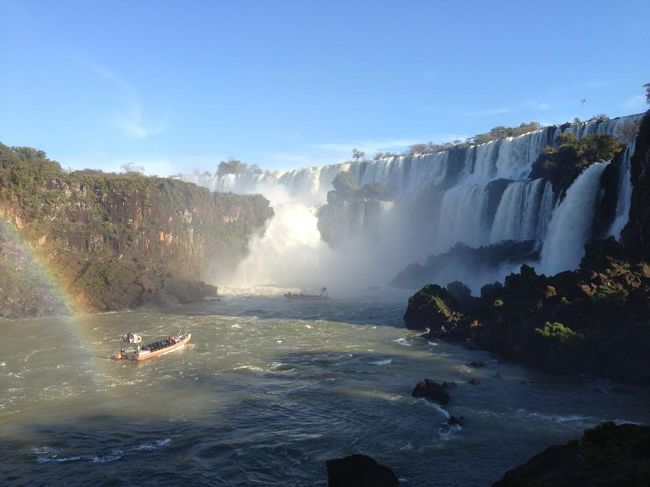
433 306
431 390
359 471
605 455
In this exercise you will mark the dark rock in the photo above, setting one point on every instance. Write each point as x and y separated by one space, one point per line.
474 381
449 385
593 320
461 292
461 263
636 234
359 471
608 455
432 391
477 364
454 420
433 307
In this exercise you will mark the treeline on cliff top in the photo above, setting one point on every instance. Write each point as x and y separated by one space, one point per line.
236 166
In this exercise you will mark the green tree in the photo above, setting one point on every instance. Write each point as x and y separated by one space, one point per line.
231 166
132 168
358 155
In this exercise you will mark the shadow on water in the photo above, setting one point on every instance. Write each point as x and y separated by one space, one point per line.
281 424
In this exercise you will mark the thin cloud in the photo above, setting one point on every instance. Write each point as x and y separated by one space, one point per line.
130 118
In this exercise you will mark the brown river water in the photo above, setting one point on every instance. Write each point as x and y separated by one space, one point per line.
268 391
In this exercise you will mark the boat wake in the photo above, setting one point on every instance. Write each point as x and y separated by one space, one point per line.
51 455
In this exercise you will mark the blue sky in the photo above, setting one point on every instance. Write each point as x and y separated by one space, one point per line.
180 85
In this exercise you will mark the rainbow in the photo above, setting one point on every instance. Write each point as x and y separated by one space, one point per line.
79 324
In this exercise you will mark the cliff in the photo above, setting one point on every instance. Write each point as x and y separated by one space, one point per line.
636 234
595 319
113 241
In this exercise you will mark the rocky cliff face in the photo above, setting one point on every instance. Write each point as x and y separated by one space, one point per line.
612 455
595 319
114 241
636 234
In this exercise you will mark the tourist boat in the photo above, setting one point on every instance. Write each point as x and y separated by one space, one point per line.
162 347
322 295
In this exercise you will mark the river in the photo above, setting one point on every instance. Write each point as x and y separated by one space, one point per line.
269 390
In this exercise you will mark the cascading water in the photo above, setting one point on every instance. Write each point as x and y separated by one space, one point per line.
624 194
520 212
570 227
476 195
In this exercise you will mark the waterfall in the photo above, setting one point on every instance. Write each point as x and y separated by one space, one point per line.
289 251
570 226
624 194
463 216
518 213
476 195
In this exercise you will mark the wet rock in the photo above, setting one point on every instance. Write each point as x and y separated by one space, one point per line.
477 364
431 390
449 385
608 455
474 381
435 308
453 420
359 471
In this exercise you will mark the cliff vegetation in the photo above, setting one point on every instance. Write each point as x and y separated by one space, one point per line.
116 241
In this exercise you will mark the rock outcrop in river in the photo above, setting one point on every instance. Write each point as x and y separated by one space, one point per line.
608 455
359 471
107 241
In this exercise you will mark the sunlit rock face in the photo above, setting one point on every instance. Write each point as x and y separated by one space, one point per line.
478 195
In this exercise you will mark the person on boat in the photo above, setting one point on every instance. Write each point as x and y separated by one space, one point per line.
323 291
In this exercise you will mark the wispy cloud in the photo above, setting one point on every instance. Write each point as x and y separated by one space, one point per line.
130 117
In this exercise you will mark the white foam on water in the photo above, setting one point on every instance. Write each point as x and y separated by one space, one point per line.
387 361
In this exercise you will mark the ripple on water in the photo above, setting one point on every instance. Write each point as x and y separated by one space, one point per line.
387 361
47 454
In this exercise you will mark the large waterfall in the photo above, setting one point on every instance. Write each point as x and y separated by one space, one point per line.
476 195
